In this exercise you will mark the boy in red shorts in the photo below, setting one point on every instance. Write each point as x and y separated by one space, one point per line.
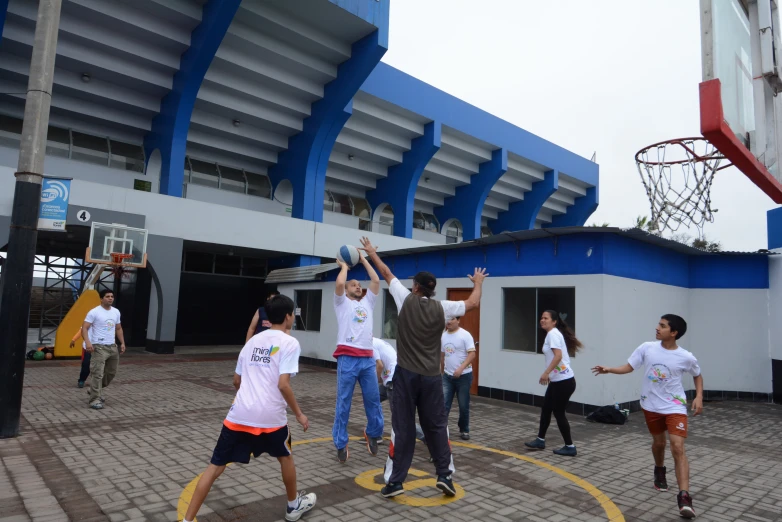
663 400
258 421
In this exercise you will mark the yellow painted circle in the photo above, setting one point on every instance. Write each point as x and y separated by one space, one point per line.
367 480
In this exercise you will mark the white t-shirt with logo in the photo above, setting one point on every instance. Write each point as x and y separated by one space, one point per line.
386 354
263 359
456 346
562 371
103 329
662 390
354 323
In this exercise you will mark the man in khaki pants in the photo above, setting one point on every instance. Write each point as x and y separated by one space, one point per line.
100 329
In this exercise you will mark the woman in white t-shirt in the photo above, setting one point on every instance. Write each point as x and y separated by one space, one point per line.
560 343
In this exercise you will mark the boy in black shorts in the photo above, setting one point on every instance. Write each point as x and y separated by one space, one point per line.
257 421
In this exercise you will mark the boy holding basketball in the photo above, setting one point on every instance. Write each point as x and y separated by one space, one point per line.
354 353
257 422
664 402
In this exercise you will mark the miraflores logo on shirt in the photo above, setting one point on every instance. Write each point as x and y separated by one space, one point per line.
659 373
263 356
561 368
360 314
449 350
678 399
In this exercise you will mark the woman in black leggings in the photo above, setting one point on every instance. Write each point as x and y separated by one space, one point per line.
560 343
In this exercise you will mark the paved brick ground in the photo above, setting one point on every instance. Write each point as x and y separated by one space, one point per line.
132 460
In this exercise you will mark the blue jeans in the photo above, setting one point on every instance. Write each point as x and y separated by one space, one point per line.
461 388
349 370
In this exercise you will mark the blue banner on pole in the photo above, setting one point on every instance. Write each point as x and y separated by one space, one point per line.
55 193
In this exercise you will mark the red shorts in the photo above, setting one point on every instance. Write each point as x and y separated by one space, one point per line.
674 423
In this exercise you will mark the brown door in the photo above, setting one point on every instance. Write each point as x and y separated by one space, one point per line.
472 323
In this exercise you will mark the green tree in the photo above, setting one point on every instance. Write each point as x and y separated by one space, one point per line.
705 244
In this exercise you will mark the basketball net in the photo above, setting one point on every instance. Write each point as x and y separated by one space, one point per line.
116 268
677 175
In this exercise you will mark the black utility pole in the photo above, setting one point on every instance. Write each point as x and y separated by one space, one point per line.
18 269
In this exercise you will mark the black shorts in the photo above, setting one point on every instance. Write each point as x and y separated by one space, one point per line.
237 446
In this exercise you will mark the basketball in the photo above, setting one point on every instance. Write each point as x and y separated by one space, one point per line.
348 254
48 356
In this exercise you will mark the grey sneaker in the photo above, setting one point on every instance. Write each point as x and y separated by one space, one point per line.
371 444
342 454
97 405
536 444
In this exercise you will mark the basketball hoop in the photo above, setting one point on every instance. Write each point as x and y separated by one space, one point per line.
117 261
677 175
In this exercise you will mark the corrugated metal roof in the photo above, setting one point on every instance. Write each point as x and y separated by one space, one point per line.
312 273
299 273
526 235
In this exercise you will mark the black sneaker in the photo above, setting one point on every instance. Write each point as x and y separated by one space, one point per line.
371 444
81 384
659 479
465 435
536 444
445 484
342 454
685 505
568 451
392 489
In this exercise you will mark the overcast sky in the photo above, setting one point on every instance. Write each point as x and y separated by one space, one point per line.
611 76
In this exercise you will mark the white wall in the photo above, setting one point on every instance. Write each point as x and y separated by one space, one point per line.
195 220
729 333
614 316
775 305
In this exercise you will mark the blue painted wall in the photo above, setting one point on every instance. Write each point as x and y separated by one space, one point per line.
774 228
570 255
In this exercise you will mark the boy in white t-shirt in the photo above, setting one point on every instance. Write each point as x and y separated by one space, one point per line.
355 361
664 402
458 353
257 422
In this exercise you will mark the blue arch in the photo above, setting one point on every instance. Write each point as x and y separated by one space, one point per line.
171 125
399 186
578 213
521 215
305 161
467 204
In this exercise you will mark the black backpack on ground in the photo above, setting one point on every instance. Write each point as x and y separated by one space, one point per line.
607 415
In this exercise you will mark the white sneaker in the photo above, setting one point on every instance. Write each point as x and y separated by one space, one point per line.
304 504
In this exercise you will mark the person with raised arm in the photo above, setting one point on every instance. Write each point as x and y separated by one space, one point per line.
355 358
418 383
